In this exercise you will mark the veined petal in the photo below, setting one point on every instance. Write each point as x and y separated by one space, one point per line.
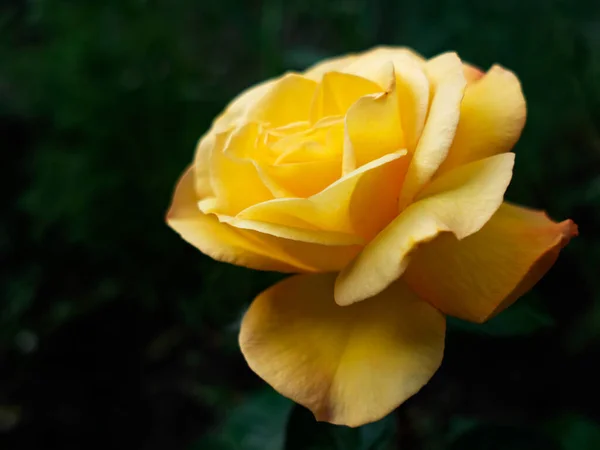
346 206
251 249
492 116
348 365
479 276
448 82
461 201
373 126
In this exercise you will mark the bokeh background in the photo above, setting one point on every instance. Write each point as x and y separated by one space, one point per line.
116 334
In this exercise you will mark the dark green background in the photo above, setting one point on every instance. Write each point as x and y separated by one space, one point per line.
116 334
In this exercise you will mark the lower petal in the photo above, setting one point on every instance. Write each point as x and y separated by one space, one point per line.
348 365
479 276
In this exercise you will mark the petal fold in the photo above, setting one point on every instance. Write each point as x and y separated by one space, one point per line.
252 249
348 365
373 126
461 202
448 84
477 277
337 92
288 100
346 206
492 116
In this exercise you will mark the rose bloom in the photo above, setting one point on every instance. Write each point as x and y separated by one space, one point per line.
379 179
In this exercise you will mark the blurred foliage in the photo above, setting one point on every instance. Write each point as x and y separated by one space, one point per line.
114 333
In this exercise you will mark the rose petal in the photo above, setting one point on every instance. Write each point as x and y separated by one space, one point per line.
448 83
373 126
484 273
348 365
336 64
413 97
492 116
346 206
235 181
337 92
472 73
202 166
247 248
288 100
368 64
238 108
461 201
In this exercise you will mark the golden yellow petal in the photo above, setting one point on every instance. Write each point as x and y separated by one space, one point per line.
448 82
492 116
348 365
202 165
373 126
337 92
288 100
247 248
461 201
336 64
304 179
294 233
413 98
368 64
238 108
472 73
235 181
346 206
484 273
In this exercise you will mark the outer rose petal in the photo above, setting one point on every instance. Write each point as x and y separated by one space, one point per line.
240 105
247 248
351 365
235 181
472 73
448 80
492 116
202 165
486 272
461 201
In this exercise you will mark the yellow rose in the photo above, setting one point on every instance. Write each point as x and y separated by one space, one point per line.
380 177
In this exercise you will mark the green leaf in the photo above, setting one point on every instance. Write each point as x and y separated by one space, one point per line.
502 437
258 423
576 433
305 433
